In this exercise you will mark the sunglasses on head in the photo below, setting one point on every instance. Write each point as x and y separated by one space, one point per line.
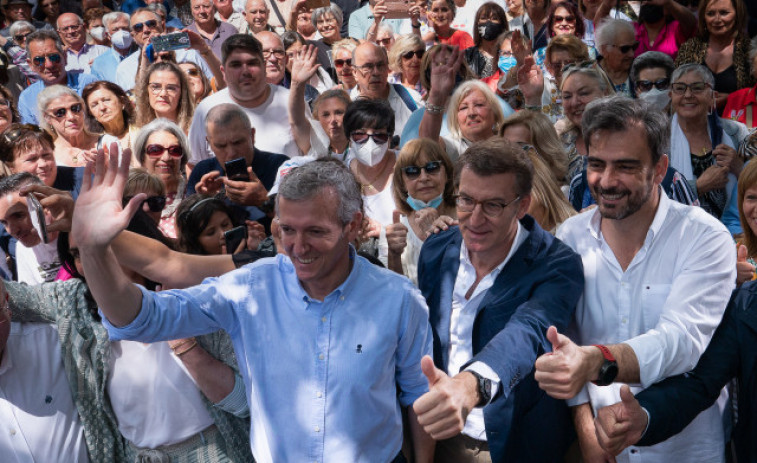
342 62
175 151
11 135
417 53
659 84
154 203
54 58
61 112
362 137
415 171
151 23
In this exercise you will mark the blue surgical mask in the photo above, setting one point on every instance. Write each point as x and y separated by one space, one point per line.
417 204
505 63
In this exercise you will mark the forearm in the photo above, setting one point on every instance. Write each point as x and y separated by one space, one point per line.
423 444
602 11
297 118
686 19
118 298
395 262
214 378
215 66
583 419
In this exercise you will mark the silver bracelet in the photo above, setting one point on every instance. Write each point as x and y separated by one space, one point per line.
434 109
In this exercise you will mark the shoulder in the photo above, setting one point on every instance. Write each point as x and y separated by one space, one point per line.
735 129
436 243
220 97
695 223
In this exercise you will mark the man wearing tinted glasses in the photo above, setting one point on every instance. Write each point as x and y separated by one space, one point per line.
493 286
47 59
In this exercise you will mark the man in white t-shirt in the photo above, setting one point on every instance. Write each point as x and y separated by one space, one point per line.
265 104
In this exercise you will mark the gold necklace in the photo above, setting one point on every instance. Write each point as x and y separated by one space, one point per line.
366 185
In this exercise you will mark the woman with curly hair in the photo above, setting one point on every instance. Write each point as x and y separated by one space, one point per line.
164 92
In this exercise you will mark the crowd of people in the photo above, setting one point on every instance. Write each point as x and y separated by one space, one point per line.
378 231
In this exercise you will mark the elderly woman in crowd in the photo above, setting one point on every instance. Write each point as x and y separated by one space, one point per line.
616 42
109 106
721 45
164 92
328 20
535 129
15 49
405 60
199 85
490 22
563 18
702 145
442 13
342 57
61 112
742 104
162 149
650 75
423 188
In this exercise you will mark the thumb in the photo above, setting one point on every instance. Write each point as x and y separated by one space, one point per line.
558 340
432 373
253 177
742 254
626 395
396 216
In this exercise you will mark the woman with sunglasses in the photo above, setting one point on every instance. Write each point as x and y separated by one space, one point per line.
703 145
199 85
61 112
490 22
423 189
617 45
405 60
342 56
108 106
563 18
162 149
650 75
163 92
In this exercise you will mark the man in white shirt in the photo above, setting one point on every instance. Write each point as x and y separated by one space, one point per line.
658 277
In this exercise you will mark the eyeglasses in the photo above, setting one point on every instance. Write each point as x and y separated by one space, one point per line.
431 168
277 53
626 48
489 208
73 28
360 137
21 37
342 62
54 58
12 135
659 84
154 151
61 112
559 19
371 67
150 24
417 53
679 88
156 88
154 203
192 72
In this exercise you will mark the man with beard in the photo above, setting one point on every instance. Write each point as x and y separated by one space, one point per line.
658 275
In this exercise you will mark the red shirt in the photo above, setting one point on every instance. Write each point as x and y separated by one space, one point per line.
459 38
736 106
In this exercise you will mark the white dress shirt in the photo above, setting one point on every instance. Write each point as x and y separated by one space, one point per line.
665 306
38 418
463 315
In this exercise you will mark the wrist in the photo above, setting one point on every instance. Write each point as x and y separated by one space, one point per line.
469 382
592 362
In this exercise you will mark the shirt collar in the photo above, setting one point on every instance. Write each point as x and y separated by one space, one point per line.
517 241
342 290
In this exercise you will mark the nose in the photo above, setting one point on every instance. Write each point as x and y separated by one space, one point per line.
300 246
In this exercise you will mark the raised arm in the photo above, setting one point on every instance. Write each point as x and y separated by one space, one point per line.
444 70
197 43
304 67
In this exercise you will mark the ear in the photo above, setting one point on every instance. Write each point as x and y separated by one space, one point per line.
661 168
354 227
252 136
523 204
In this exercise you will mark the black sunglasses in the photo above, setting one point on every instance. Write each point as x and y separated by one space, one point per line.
54 58
61 112
626 48
154 203
362 137
151 23
417 53
659 84
415 171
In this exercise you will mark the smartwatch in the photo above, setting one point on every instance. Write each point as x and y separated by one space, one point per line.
609 369
484 389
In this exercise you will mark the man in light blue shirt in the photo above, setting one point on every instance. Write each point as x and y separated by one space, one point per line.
323 338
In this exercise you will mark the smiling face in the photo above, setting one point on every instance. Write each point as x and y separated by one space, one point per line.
69 125
690 105
720 17
164 91
564 22
71 31
475 117
38 159
212 236
328 27
440 14
275 61
578 90
345 72
164 166
105 106
316 241
256 14
14 216
411 67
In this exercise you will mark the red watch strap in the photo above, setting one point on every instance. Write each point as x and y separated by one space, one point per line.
605 352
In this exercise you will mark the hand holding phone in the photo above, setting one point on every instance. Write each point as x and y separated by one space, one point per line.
234 238
236 169
37 215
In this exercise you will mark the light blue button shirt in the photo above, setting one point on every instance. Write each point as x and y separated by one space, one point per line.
126 72
321 377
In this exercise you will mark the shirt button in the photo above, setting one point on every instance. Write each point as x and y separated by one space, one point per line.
625 320
317 429
319 394
341 298
323 319
320 356
13 432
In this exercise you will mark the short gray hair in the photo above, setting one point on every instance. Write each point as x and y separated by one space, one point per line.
114 16
701 71
160 125
47 95
224 114
333 9
306 181
19 26
42 35
158 7
649 60
609 29
615 114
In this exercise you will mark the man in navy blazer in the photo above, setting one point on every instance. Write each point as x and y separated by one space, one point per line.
493 286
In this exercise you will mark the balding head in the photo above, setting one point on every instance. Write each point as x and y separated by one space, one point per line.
256 13
71 31
372 70
274 55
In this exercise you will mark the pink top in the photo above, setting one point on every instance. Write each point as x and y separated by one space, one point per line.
668 40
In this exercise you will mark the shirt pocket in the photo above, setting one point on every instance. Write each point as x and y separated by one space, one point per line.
653 299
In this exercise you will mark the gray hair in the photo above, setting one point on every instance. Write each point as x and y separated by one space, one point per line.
615 114
158 7
651 59
114 16
19 26
701 71
15 182
593 72
47 95
306 181
160 125
609 29
384 27
224 114
333 9
42 35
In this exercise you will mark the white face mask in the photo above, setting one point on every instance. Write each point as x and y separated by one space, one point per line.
369 153
658 99
121 40
97 33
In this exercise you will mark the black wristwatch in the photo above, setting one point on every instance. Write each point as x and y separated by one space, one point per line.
609 369
484 389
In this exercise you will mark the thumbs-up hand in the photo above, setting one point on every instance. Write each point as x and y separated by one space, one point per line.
442 411
744 270
564 371
621 424
396 235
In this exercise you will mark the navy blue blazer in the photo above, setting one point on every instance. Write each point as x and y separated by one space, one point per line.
674 402
538 287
